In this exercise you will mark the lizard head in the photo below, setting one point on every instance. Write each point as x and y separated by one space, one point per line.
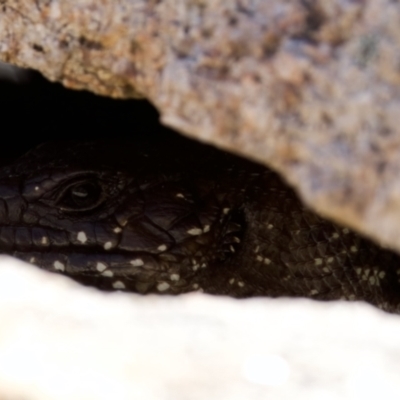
119 216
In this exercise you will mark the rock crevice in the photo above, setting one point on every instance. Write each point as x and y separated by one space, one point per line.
310 88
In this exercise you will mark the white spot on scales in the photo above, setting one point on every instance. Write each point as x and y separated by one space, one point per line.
101 267
195 231
45 240
163 286
162 247
107 245
59 266
118 285
365 275
82 237
372 280
117 229
138 262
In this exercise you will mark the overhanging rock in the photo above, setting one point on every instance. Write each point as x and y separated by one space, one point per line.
310 88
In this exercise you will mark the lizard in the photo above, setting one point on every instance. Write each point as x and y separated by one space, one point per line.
172 216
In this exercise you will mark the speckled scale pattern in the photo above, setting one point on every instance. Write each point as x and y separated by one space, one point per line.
174 216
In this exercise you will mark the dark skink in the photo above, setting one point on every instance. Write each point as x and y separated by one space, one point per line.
174 216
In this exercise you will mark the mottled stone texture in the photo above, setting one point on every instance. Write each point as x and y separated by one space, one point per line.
59 341
310 88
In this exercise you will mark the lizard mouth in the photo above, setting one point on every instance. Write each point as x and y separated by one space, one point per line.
176 263
139 272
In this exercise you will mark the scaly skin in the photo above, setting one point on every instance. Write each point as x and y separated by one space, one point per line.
175 216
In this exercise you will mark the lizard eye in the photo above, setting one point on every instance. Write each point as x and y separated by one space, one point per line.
82 195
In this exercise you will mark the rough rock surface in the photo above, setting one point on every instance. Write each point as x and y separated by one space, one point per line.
311 88
61 341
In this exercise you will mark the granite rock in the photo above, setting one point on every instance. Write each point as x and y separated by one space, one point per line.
310 88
